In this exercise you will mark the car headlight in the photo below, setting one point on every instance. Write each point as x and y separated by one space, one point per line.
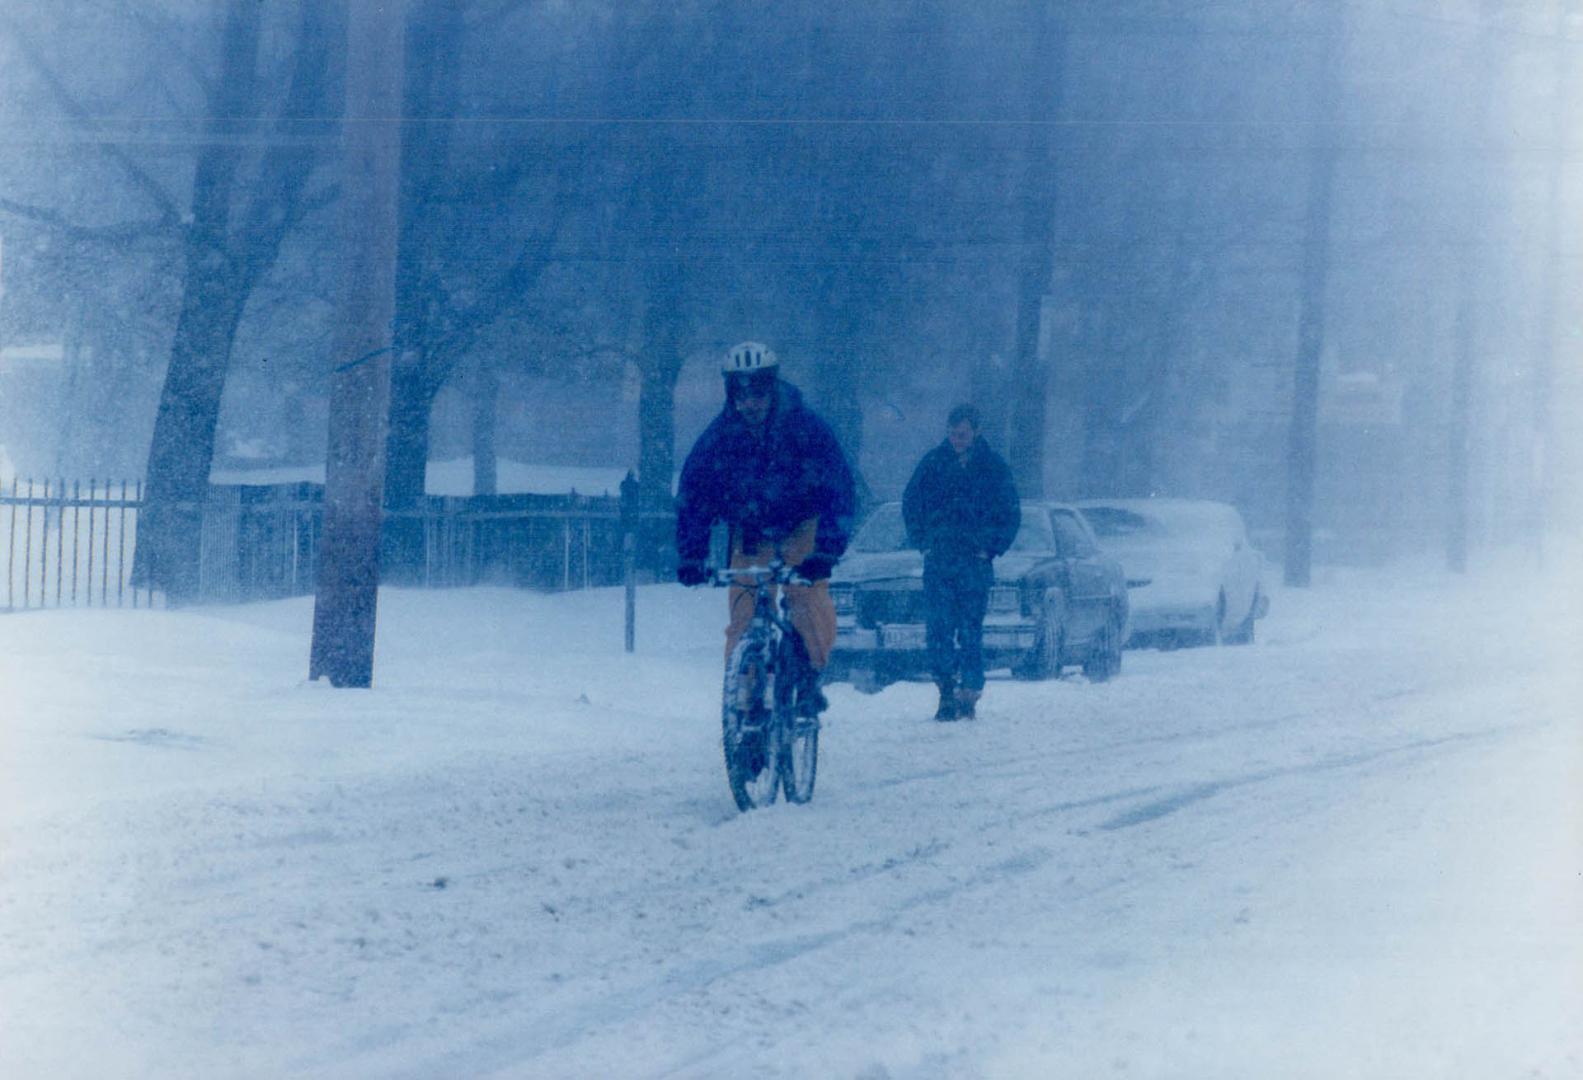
1004 599
845 598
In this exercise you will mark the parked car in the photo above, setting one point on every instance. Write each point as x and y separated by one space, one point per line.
1193 576
1056 600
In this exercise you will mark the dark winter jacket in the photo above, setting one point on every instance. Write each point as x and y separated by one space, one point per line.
958 510
765 485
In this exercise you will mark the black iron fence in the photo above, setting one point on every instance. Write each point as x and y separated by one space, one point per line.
70 543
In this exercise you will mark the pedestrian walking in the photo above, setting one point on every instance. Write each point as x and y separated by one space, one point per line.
961 510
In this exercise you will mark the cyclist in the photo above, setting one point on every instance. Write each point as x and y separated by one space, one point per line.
772 470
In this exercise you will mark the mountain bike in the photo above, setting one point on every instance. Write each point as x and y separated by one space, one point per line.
768 746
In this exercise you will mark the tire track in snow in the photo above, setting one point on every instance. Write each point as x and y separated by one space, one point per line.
1196 793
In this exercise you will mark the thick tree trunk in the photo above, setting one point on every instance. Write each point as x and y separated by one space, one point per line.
407 453
657 455
406 470
486 392
838 401
659 367
182 449
986 388
429 96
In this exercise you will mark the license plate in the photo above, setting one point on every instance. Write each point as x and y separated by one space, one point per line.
901 637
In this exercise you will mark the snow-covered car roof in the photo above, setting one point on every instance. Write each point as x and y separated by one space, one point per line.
1123 520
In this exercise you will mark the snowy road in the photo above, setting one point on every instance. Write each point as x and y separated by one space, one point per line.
1353 849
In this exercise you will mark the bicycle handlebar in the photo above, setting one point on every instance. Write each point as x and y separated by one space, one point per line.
776 571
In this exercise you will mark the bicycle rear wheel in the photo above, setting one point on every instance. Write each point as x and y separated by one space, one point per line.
798 736
747 735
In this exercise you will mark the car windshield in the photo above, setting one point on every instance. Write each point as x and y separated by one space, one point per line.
1118 525
1113 523
883 531
1035 533
886 531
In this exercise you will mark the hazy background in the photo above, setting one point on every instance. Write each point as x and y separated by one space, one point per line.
1121 227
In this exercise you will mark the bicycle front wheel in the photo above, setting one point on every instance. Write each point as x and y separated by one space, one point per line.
798 735
751 750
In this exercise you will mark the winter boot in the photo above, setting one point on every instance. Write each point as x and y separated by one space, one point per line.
966 702
947 709
810 699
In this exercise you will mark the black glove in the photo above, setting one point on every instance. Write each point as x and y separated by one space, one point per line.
816 567
692 573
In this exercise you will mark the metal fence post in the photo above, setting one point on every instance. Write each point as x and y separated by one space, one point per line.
566 554
76 533
27 549
10 553
60 534
629 550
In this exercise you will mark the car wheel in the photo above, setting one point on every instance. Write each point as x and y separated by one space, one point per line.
1217 632
1043 661
1104 658
1243 634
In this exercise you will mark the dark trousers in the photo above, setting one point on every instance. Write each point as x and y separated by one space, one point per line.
956 592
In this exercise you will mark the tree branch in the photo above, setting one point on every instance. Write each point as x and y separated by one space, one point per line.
284 172
482 15
140 177
119 233
532 259
163 34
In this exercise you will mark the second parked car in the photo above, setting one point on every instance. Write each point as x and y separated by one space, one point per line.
1194 577
1057 600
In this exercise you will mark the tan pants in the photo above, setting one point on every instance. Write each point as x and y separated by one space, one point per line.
812 610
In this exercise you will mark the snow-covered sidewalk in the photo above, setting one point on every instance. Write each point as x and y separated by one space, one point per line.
1353 849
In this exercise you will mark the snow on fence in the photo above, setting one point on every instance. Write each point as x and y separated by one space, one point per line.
68 543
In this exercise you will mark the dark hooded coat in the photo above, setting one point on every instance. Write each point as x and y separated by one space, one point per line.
765 484
957 510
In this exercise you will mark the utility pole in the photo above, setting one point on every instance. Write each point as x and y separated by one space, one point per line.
348 586
1303 444
1562 117
1467 326
1030 377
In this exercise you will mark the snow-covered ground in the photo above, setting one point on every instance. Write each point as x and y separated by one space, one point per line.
1351 850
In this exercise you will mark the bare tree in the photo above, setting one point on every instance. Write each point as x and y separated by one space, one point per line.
235 228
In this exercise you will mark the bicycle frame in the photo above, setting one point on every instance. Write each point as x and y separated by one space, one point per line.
761 712
766 614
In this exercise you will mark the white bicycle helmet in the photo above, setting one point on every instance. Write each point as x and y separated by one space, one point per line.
749 357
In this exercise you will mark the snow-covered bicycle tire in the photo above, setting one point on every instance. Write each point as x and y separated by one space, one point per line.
744 693
798 754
